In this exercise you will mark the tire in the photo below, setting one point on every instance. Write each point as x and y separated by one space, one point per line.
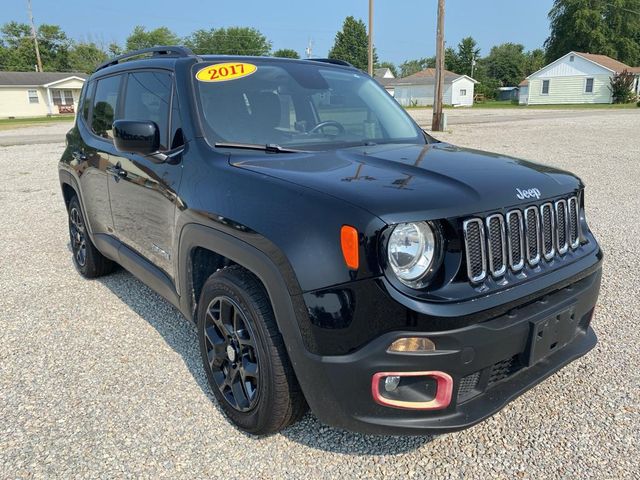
86 257
249 373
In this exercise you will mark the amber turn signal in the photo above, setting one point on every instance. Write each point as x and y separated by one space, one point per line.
412 344
350 249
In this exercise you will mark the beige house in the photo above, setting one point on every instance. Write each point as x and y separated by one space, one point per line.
574 78
36 94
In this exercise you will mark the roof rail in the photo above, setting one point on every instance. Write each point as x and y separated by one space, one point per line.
334 61
174 51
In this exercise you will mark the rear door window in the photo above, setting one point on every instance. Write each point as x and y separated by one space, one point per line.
148 98
105 104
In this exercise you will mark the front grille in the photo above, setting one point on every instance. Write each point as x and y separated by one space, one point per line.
497 245
520 237
515 240
574 223
467 386
502 370
532 234
475 249
548 228
562 227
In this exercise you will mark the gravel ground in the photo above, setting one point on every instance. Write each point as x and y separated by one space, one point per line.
103 379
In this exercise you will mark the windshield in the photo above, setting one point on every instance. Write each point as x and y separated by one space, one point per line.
298 105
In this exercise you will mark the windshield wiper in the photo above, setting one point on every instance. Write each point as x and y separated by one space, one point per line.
269 147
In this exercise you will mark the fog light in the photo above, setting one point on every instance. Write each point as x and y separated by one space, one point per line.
429 390
412 344
391 383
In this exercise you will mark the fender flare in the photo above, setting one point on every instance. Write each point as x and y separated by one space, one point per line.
257 262
67 178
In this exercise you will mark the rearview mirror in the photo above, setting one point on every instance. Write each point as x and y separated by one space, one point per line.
136 137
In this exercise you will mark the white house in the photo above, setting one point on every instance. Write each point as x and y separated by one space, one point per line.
574 78
35 94
384 76
418 89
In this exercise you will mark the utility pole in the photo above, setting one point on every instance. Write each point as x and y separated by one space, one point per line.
436 123
309 49
370 66
35 37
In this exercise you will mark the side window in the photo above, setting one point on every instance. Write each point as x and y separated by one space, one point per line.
104 106
589 86
87 98
545 87
147 98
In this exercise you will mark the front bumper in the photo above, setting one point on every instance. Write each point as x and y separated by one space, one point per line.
490 363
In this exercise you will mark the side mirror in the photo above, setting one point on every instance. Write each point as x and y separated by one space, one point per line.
136 137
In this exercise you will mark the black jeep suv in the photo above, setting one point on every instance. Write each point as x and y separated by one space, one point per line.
331 253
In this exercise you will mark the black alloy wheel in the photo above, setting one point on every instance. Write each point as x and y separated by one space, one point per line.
77 232
244 355
232 353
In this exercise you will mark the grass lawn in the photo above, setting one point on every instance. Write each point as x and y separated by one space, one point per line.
508 104
10 123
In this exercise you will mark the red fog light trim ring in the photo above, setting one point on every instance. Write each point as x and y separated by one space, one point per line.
444 391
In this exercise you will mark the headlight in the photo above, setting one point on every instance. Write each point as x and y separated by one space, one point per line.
411 250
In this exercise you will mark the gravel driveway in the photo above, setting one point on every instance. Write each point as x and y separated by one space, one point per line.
103 379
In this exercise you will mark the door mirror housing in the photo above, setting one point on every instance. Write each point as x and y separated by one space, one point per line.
132 136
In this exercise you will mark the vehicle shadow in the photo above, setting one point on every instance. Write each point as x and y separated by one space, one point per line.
180 334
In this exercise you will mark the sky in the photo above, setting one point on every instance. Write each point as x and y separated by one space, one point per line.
403 29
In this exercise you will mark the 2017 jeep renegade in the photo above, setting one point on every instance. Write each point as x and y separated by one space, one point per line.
331 253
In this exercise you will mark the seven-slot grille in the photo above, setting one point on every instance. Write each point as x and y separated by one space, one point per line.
520 237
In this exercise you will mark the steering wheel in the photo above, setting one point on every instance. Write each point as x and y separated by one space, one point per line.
328 123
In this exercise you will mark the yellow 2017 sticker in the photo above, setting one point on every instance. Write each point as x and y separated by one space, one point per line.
223 72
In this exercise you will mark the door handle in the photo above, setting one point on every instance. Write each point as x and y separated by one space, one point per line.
117 171
80 156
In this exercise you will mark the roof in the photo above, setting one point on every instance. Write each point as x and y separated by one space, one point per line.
635 70
605 61
379 72
524 83
425 77
36 79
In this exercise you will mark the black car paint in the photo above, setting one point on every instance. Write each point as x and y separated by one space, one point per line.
279 215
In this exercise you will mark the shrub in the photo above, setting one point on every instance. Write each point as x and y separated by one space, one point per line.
621 87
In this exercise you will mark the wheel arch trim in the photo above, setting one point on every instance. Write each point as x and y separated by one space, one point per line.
257 262
195 236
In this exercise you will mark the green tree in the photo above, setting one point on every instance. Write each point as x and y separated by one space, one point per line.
390 65
451 60
114 49
141 38
488 86
352 43
85 57
534 61
19 51
409 67
608 27
286 53
505 63
229 41
468 54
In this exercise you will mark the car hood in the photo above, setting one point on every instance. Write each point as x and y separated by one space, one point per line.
411 182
